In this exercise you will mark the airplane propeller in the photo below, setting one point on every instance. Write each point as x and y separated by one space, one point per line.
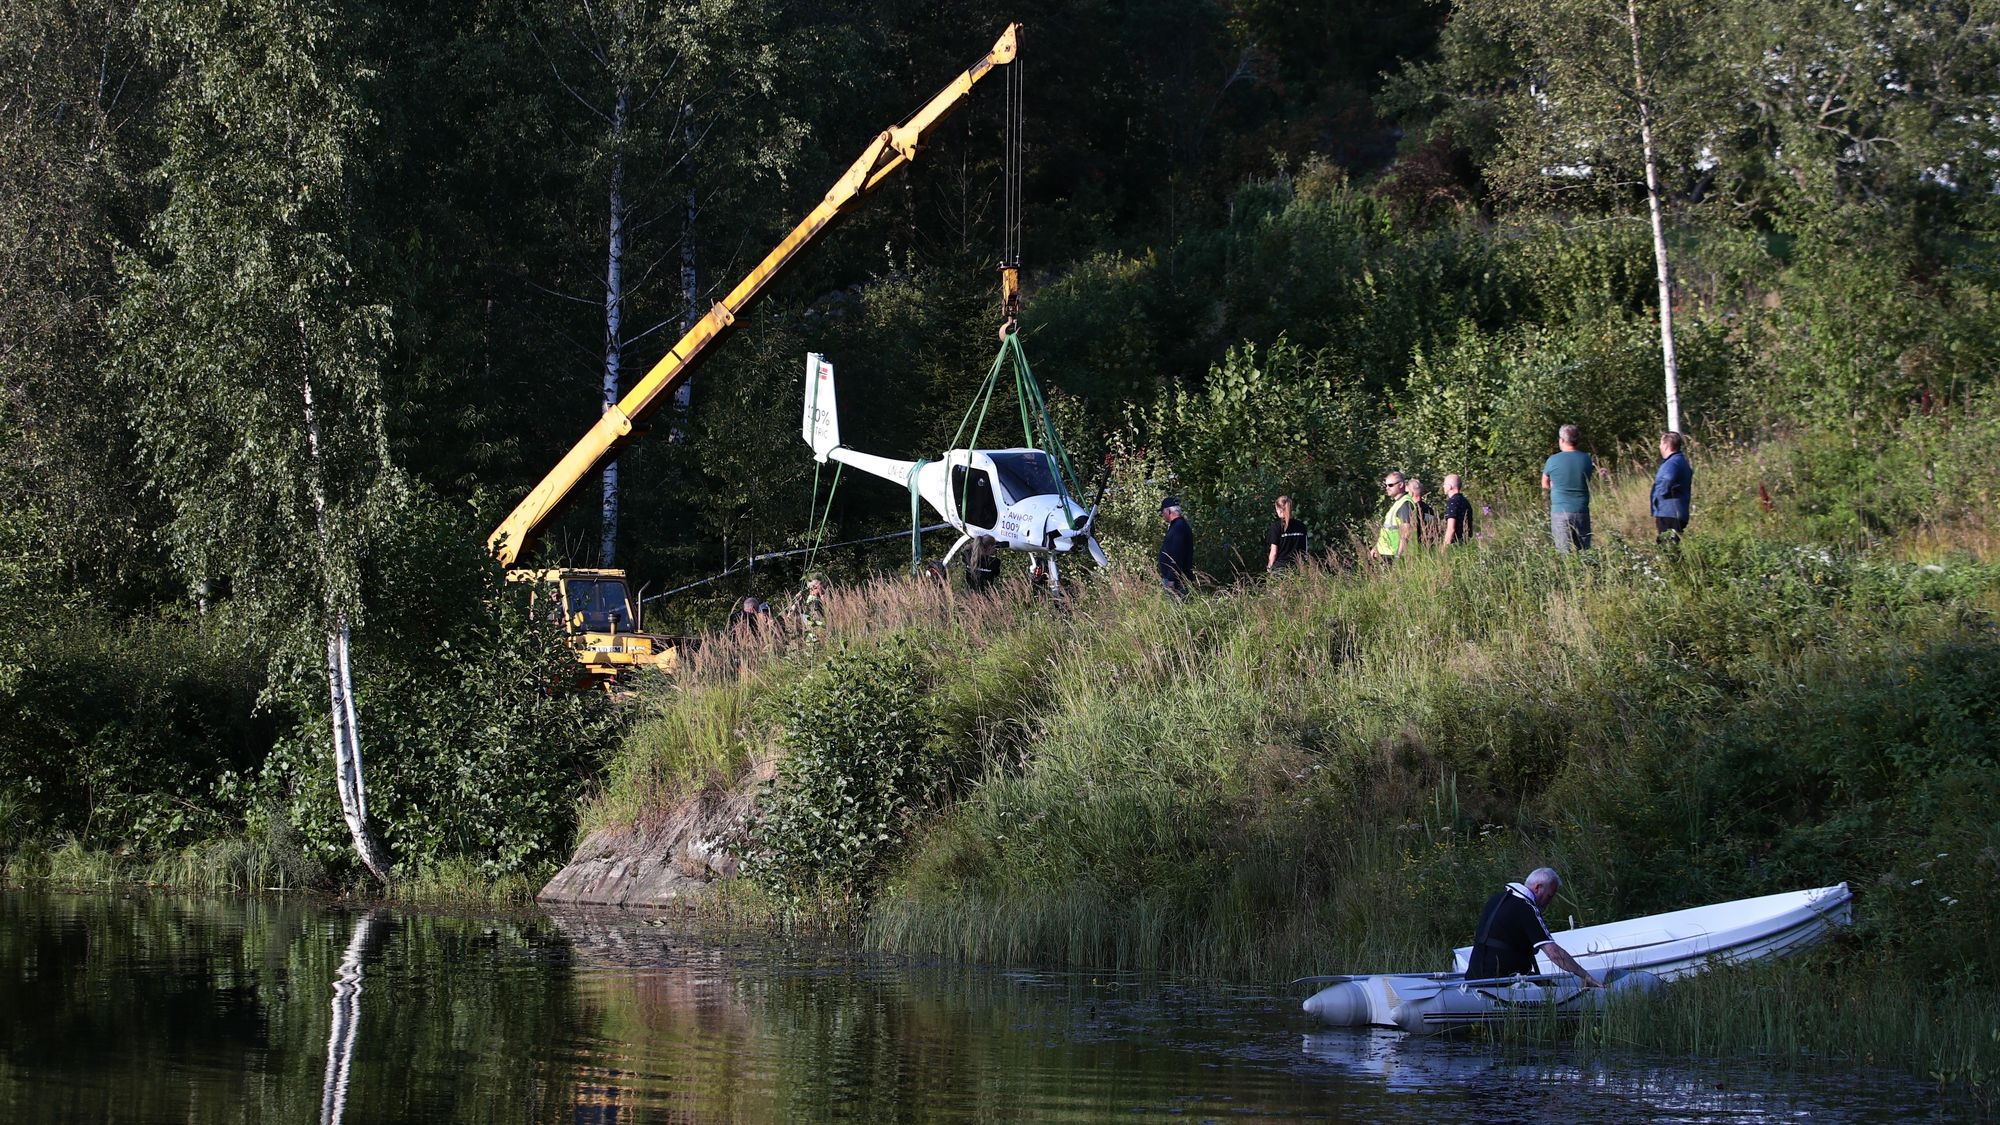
1090 521
1087 530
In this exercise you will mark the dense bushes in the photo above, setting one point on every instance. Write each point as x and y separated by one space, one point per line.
124 734
1489 405
1933 475
1264 423
475 752
1878 316
861 762
149 736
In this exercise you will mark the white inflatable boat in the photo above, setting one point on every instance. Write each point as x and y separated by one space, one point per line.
1629 955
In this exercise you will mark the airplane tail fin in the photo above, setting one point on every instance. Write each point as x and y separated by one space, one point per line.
821 427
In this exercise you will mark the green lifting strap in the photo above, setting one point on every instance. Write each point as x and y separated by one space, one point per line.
981 401
1035 409
819 536
1038 431
916 519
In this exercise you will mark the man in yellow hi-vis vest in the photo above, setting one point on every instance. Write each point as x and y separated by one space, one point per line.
1398 532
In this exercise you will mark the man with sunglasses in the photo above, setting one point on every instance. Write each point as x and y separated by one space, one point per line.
1398 533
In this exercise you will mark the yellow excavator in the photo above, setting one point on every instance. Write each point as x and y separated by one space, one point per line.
596 605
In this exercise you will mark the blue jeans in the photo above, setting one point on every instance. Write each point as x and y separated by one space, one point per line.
1570 530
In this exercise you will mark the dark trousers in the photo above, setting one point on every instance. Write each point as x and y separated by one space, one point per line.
1669 530
1570 530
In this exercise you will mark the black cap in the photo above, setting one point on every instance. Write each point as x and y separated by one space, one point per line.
1170 502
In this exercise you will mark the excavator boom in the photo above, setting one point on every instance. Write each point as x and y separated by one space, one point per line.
889 151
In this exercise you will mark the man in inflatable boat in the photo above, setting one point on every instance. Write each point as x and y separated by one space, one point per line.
1511 930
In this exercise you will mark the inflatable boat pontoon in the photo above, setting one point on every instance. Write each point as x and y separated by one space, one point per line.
1629 955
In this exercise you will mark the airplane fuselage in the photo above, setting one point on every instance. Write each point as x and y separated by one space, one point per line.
1016 496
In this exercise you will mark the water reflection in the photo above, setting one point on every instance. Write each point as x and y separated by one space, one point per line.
130 1009
1530 1085
346 1017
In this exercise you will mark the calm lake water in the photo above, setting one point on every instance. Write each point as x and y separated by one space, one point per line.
170 1009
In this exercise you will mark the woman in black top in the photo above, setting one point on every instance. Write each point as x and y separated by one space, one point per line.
1286 537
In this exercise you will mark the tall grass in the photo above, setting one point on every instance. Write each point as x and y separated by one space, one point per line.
236 864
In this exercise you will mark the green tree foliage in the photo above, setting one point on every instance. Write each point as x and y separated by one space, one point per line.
73 518
256 366
1837 104
1879 319
1563 93
1265 423
1313 258
1490 405
244 326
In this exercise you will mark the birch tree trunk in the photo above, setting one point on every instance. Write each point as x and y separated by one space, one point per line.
1672 362
340 675
614 320
690 310
690 284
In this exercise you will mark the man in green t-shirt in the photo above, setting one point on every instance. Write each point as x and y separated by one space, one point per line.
1566 478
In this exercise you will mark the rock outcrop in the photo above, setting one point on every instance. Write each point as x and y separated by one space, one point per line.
663 862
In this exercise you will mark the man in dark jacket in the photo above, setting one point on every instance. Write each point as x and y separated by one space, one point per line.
1176 550
1673 489
1511 930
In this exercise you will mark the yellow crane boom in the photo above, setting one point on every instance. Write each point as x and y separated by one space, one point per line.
889 151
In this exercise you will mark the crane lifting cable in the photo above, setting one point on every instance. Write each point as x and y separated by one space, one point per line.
1011 201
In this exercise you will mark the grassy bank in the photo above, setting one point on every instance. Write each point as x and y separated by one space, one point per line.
255 865
1328 772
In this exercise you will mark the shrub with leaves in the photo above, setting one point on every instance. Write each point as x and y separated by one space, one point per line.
1490 403
117 734
1267 422
862 761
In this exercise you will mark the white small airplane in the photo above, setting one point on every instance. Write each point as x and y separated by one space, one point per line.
1015 496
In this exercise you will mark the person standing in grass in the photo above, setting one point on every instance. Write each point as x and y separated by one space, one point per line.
1397 533
1176 550
1566 478
1457 513
1423 517
746 620
982 562
1673 490
812 611
1286 537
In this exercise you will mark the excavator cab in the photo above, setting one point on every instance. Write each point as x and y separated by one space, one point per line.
595 609
597 604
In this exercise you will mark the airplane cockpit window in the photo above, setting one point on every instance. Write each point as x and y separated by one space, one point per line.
602 604
974 493
1026 474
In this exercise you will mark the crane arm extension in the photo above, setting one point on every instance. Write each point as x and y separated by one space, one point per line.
890 150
